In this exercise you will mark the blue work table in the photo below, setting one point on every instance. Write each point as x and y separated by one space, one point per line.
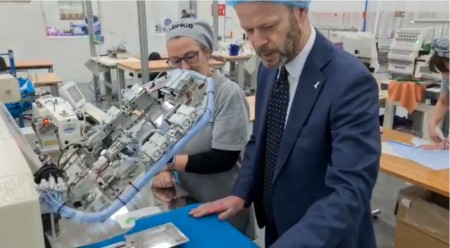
205 232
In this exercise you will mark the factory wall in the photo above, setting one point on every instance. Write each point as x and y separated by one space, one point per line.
349 13
387 23
23 26
230 22
23 30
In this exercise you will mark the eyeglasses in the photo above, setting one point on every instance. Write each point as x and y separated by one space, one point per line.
190 57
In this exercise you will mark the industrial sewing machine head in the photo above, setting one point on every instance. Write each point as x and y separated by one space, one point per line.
115 159
102 172
55 123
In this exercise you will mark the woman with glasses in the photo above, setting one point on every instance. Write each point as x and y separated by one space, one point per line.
209 164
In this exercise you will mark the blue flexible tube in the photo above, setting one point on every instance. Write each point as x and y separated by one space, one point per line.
126 196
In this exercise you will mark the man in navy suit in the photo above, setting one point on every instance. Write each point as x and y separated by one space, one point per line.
313 158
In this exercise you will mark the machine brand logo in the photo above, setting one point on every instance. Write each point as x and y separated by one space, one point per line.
50 142
182 25
69 130
440 48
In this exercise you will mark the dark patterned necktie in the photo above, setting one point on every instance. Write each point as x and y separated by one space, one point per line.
276 120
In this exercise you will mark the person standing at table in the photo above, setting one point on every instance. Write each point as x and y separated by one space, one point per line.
313 158
439 64
210 163
184 14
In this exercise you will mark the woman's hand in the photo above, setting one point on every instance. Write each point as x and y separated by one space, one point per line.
435 132
435 146
164 179
165 195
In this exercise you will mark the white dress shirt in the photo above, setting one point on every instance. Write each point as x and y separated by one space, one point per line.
295 68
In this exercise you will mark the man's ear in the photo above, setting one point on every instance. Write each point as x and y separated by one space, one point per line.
301 15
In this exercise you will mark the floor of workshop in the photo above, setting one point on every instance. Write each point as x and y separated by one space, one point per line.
384 197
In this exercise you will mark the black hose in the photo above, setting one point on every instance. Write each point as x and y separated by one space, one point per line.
71 155
66 149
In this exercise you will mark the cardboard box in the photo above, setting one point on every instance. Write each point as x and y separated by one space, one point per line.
422 219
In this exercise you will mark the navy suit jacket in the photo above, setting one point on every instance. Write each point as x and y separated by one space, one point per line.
329 156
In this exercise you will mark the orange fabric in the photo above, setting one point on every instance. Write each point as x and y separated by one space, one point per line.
407 93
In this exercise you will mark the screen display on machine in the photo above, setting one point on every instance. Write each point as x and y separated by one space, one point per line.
75 94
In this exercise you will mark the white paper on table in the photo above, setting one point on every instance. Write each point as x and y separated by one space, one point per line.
250 64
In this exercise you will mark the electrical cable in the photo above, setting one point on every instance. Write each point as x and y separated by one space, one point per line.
71 155
66 149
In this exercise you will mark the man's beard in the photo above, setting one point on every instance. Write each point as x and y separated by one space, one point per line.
291 44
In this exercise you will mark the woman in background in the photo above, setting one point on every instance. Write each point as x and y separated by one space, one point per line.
209 164
439 63
184 14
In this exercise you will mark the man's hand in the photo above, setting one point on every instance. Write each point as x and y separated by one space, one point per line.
164 179
225 207
435 132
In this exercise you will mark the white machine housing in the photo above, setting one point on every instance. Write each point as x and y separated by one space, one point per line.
19 201
363 46
72 94
405 49
55 123
9 88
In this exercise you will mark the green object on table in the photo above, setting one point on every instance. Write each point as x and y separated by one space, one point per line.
426 47
130 220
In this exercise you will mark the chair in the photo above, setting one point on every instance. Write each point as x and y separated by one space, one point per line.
3 66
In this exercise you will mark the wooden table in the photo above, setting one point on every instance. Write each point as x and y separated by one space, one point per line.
47 79
22 65
110 64
138 56
156 65
236 58
153 66
235 69
412 172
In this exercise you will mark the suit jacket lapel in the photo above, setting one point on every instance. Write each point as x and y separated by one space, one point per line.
262 111
308 89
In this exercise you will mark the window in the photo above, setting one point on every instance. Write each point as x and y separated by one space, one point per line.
68 18
70 10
